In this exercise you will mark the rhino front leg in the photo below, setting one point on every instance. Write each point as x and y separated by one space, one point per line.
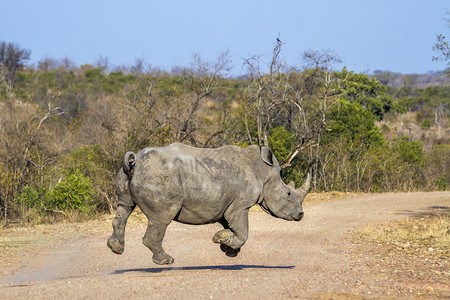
233 238
116 241
153 240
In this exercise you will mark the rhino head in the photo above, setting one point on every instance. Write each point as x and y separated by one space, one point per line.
279 199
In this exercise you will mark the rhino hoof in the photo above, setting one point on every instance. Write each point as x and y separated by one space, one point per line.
223 236
115 245
229 251
162 259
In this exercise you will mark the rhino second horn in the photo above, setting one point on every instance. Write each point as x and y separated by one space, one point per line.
305 187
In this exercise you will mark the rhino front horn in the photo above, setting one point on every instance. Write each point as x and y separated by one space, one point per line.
305 187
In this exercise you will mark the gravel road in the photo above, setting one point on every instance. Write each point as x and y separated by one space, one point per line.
280 260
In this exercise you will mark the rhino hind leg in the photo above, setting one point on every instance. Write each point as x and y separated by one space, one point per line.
153 240
116 241
125 205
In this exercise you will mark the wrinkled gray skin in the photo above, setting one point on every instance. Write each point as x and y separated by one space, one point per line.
199 186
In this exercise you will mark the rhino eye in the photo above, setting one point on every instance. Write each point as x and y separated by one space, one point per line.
289 193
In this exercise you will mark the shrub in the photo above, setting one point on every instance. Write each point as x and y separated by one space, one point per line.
409 151
442 182
32 197
73 193
426 124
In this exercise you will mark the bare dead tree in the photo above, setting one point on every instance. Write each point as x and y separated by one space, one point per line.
47 64
138 67
51 112
304 98
24 154
267 91
439 118
442 47
320 59
202 79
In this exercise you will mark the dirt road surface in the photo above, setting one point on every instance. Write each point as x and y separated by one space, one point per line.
281 259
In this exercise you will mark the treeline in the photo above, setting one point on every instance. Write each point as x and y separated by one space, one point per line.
64 129
398 80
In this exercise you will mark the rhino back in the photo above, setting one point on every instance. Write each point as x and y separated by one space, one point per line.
201 182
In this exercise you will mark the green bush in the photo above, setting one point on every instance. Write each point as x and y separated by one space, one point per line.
409 151
426 124
354 124
32 197
73 193
442 182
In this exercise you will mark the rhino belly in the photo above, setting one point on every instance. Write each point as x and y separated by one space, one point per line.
202 187
203 207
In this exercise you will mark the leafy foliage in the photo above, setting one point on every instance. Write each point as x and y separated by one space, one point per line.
281 141
353 123
72 193
32 197
369 93
409 151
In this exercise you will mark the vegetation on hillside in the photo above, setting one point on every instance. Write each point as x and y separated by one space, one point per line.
64 129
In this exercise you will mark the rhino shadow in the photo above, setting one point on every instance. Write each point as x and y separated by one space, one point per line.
430 211
196 268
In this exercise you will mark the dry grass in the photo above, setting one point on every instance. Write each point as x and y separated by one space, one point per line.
411 255
315 198
13 239
426 235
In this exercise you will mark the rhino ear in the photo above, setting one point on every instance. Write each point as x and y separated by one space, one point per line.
266 155
291 185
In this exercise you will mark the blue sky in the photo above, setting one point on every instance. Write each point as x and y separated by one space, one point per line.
395 35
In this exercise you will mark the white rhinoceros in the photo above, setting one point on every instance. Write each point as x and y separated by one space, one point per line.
199 186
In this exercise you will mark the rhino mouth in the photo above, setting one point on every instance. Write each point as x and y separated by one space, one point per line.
267 210
288 218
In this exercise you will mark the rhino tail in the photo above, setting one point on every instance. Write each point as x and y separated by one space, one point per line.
129 161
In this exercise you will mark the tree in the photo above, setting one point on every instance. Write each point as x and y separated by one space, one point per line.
266 91
12 59
442 48
202 79
349 149
27 146
297 100
320 59
47 64
356 87
353 123
316 92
